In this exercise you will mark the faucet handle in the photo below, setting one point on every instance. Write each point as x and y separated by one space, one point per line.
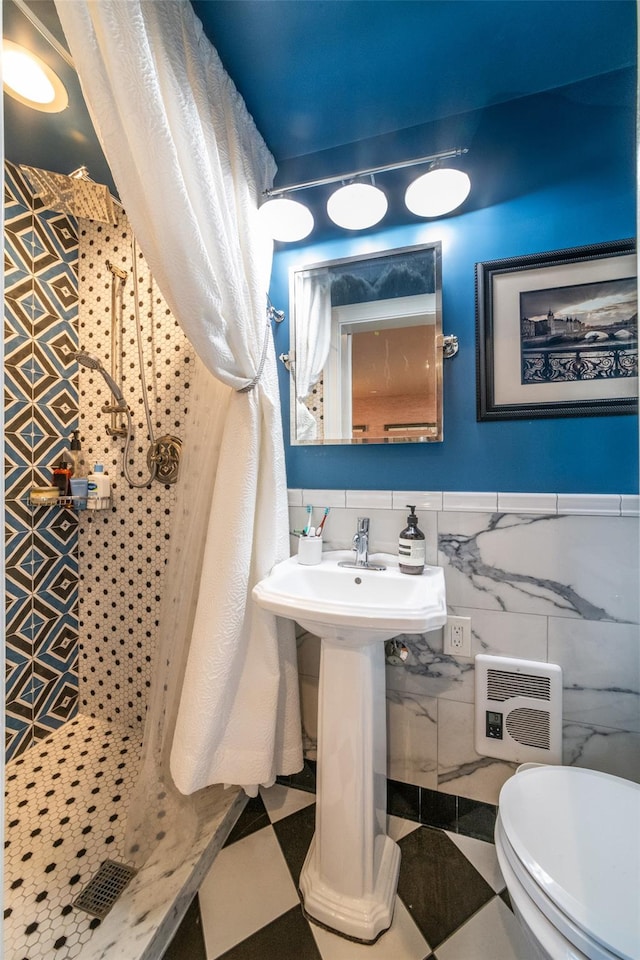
363 524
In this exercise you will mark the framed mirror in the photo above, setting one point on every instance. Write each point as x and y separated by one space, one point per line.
366 348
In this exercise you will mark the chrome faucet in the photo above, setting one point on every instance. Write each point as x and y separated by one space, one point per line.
361 547
361 542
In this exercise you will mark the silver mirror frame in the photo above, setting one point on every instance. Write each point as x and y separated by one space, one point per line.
444 347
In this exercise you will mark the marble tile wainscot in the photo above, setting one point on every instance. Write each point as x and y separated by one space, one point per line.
550 577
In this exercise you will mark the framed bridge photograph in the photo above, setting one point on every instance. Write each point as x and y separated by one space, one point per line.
557 333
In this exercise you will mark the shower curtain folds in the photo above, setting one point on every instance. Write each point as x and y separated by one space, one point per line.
152 79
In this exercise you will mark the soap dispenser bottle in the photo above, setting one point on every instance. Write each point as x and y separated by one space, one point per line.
75 456
411 546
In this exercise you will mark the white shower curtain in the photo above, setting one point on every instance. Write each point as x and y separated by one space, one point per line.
190 167
313 338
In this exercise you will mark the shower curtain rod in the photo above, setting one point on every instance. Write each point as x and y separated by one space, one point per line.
46 33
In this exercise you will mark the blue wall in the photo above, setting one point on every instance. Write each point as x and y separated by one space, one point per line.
548 172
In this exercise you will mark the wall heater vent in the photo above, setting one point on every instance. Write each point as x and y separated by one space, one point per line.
518 710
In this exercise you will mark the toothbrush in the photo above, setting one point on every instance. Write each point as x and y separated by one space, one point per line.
308 525
322 522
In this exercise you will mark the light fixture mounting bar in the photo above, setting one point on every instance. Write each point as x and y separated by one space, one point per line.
431 158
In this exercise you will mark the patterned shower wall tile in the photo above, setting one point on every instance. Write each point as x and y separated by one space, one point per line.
462 771
17 544
60 405
18 706
21 555
34 437
46 248
18 670
57 298
57 289
58 345
601 748
17 266
59 525
600 672
18 736
57 582
55 642
559 566
412 739
20 367
17 483
14 391
17 189
62 231
17 599
55 698
19 235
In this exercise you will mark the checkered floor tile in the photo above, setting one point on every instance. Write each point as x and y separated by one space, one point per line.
451 903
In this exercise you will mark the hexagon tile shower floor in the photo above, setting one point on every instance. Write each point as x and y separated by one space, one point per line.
66 812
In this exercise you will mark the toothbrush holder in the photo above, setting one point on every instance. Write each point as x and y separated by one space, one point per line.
310 550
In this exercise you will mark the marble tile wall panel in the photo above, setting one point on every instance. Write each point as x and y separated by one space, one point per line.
461 771
549 588
572 566
412 739
600 672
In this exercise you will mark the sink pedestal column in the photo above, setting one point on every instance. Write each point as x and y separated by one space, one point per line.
349 878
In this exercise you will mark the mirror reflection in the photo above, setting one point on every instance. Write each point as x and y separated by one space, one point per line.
366 356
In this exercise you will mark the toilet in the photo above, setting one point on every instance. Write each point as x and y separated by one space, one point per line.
568 845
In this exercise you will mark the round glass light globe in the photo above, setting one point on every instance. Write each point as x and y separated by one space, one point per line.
357 206
286 220
437 192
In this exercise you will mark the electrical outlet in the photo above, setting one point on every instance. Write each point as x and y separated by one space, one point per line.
457 637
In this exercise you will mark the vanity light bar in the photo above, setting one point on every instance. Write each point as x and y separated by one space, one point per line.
370 171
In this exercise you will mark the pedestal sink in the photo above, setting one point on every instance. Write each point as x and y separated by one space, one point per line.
349 878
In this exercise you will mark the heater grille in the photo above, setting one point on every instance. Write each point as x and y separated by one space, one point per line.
530 727
502 685
518 709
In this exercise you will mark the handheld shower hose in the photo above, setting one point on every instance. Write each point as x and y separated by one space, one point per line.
120 406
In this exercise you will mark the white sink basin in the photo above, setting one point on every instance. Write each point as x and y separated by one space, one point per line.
352 603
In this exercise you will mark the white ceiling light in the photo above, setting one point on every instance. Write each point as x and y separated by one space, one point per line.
30 80
437 192
286 220
357 206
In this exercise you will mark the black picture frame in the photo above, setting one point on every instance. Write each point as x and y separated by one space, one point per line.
584 363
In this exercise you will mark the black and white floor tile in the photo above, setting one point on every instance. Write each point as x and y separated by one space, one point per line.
66 805
451 902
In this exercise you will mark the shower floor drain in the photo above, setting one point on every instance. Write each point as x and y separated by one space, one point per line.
103 890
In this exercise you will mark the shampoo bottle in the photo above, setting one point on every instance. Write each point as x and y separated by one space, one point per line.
98 489
61 476
411 546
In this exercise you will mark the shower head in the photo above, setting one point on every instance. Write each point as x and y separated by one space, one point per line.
92 363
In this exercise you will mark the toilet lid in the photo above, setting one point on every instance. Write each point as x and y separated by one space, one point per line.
577 834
